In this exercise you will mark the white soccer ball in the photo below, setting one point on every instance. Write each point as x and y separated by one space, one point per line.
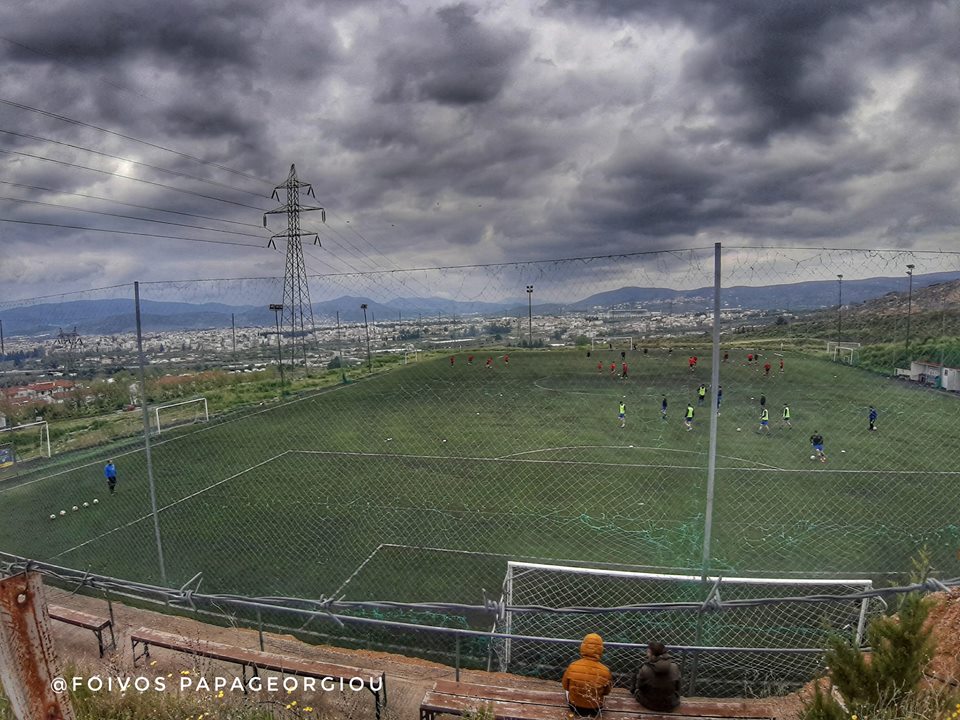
63 512
738 429
53 516
75 508
86 504
95 501
813 457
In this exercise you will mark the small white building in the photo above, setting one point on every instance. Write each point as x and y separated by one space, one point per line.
935 374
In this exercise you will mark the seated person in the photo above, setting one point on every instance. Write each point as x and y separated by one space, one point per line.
657 683
587 681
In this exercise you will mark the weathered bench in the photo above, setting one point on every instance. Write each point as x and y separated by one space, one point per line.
84 620
373 680
457 698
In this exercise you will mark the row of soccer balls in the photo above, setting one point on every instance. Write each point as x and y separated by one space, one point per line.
53 516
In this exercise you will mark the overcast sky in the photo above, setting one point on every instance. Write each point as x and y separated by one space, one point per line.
474 132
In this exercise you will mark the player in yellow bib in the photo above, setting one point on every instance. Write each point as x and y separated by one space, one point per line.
786 416
764 421
688 420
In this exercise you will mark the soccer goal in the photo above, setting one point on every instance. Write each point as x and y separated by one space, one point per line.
185 412
25 442
619 342
846 352
780 637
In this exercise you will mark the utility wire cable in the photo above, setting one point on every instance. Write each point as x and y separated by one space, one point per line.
129 160
126 232
127 204
66 119
128 177
130 217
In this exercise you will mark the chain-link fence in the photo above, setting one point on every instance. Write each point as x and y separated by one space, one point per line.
438 423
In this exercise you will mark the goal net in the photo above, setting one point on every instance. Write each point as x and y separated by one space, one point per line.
620 342
21 443
184 412
759 648
846 352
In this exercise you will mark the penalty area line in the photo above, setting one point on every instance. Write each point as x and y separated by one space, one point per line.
140 519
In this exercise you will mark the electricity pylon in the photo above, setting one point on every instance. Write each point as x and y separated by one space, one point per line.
297 310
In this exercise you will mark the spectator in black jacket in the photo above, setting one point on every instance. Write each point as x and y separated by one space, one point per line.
656 685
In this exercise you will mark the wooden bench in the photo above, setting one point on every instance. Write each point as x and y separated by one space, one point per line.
373 680
457 698
84 620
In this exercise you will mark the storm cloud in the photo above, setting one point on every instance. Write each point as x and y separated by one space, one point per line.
468 132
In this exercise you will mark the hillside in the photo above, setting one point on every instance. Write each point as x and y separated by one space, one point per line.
934 312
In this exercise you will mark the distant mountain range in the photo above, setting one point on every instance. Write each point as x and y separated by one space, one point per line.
115 316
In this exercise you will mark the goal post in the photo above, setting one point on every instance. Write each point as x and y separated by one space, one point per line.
616 341
27 441
179 413
762 641
847 352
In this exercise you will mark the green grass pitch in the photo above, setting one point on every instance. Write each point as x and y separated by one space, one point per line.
419 484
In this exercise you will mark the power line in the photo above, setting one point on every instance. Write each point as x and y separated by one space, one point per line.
128 177
128 160
127 204
357 251
127 232
73 121
129 217
54 57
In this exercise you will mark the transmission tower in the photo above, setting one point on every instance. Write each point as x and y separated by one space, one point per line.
297 310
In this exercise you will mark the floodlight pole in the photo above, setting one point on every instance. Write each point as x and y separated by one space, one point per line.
839 306
530 314
2 350
909 307
366 329
277 309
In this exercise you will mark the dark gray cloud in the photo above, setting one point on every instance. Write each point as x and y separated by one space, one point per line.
450 133
451 59
777 66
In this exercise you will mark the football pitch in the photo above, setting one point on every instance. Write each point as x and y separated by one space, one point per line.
419 484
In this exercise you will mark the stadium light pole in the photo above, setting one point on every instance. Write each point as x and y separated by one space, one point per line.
530 314
366 328
277 309
909 306
839 307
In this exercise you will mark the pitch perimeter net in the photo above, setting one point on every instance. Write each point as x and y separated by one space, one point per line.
757 649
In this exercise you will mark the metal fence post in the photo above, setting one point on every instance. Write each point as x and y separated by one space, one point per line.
146 436
29 672
458 657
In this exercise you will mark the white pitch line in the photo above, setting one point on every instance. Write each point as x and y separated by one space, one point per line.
765 468
632 447
206 428
167 507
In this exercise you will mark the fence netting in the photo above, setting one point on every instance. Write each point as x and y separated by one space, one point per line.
436 424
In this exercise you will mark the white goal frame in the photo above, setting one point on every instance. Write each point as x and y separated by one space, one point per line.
44 431
158 408
518 566
606 340
838 350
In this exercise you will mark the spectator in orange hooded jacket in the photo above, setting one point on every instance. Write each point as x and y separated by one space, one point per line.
587 680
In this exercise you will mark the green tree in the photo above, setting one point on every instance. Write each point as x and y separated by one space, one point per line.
888 683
